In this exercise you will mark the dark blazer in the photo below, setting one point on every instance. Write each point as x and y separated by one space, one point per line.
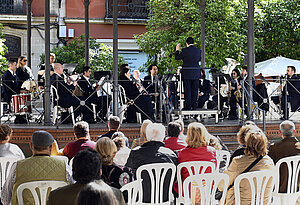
63 89
205 87
23 75
293 88
10 86
287 147
67 195
130 88
40 77
190 67
86 87
147 83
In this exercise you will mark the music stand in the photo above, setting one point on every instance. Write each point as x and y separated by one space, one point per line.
168 77
69 67
99 74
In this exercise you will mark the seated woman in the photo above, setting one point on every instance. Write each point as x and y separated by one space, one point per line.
197 149
123 152
256 146
7 149
112 174
141 102
241 139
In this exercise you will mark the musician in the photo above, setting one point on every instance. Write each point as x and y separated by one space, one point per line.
90 93
235 88
142 101
23 72
41 73
292 95
136 75
190 72
10 82
204 89
66 98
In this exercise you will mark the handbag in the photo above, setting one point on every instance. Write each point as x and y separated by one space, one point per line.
219 194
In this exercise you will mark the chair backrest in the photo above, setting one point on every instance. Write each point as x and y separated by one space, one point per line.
207 185
44 188
222 155
132 191
122 95
71 162
193 167
54 93
260 182
157 173
60 157
293 166
6 163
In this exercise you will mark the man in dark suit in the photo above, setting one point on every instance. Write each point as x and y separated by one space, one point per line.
90 93
292 95
190 72
10 82
288 146
204 89
86 168
66 98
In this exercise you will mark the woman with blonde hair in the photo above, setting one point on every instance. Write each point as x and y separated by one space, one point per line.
112 174
255 152
142 139
123 152
198 148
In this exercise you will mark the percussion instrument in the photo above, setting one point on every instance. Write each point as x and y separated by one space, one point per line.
22 103
30 86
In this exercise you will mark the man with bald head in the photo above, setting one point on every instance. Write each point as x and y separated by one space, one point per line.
65 94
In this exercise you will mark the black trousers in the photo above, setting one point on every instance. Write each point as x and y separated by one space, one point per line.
191 88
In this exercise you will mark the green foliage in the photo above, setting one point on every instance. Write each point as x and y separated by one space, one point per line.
3 50
278 29
172 21
101 56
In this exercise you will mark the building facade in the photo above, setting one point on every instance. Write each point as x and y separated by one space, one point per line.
67 22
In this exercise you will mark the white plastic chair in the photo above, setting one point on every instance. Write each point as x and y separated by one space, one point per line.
60 157
207 184
132 191
293 192
42 186
220 155
194 168
258 181
157 173
6 163
56 108
71 162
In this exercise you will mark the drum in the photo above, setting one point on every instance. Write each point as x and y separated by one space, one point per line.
22 103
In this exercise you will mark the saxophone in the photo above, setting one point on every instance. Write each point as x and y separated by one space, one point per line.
237 93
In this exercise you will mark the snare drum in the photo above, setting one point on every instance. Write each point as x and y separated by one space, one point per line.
22 103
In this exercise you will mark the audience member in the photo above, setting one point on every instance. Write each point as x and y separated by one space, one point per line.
122 151
197 149
214 142
150 152
142 139
36 168
256 149
96 194
288 146
7 149
245 129
113 126
86 168
81 132
172 140
182 136
111 173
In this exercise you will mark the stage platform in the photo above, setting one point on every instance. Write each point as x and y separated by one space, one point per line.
225 129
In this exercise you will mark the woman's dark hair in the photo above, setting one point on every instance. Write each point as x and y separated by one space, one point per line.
237 72
5 132
96 194
203 73
86 166
123 69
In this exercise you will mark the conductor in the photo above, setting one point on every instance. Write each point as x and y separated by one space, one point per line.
190 72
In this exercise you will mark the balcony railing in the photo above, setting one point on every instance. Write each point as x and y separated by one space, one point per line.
131 9
12 7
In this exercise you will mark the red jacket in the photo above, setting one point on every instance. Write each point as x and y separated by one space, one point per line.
173 144
188 154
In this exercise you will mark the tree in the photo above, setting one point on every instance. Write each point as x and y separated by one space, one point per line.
101 56
3 50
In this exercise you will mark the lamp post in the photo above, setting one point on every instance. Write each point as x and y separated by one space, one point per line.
29 3
86 30
115 57
202 7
